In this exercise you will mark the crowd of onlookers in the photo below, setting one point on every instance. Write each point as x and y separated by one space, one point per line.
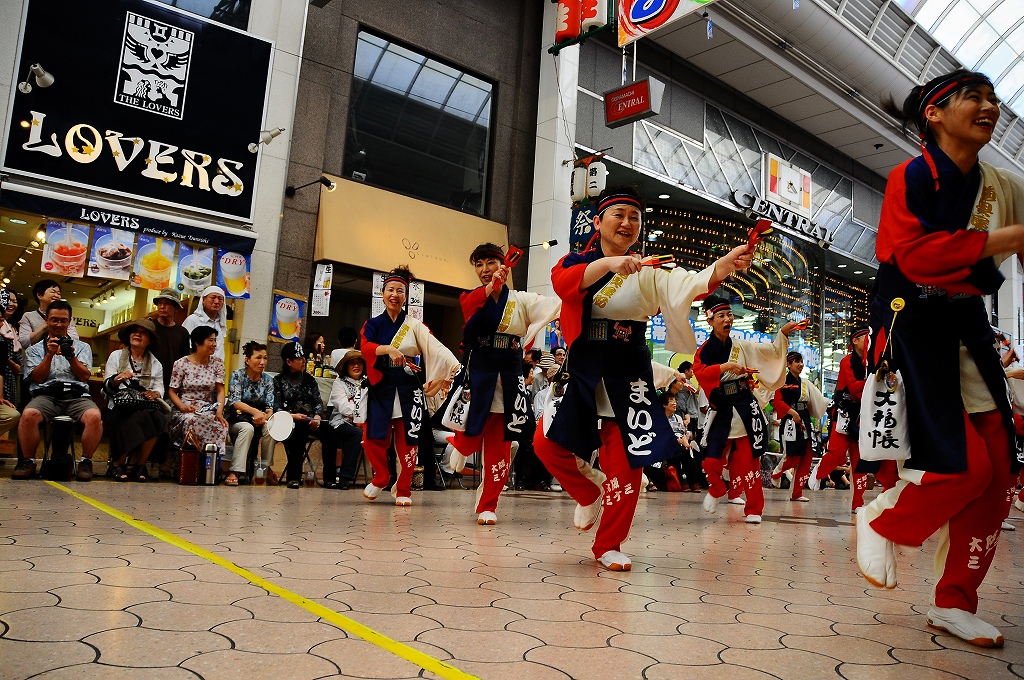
167 388
164 389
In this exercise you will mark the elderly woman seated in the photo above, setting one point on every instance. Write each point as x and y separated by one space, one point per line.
134 385
197 392
250 404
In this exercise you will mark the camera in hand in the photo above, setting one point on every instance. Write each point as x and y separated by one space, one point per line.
67 345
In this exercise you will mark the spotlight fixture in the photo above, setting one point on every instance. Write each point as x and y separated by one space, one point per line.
544 244
289 191
41 236
42 77
265 138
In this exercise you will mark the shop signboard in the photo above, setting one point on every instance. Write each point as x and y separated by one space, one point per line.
783 216
637 18
146 102
140 222
633 102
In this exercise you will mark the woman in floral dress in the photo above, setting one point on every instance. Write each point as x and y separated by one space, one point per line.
197 392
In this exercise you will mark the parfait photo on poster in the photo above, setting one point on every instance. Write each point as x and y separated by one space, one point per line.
67 247
112 251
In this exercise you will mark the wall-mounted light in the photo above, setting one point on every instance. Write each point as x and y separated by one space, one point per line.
289 191
15 220
42 77
265 138
544 244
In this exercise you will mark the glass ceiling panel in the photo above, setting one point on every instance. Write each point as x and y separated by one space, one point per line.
957 22
995 47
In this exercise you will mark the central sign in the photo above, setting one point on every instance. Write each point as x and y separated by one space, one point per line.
781 215
633 102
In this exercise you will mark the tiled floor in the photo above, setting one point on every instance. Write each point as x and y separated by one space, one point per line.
84 595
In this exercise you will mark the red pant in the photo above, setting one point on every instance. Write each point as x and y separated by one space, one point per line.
377 453
497 456
966 508
802 470
621 489
838 444
744 474
1020 481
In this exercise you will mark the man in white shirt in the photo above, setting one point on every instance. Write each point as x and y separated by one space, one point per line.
211 312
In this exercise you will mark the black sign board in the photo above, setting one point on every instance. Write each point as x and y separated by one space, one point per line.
146 102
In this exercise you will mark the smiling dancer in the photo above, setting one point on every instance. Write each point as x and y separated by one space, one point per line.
796 402
396 403
737 430
607 298
947 221
500 323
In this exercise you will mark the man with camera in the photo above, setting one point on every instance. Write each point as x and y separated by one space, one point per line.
57 368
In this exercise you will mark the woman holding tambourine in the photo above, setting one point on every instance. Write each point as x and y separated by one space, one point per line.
490 404
396 403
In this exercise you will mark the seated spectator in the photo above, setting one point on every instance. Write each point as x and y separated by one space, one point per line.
11 368
139 425
297 392
197 392
57 370
347 397
251 402
9 415
210 312
32 327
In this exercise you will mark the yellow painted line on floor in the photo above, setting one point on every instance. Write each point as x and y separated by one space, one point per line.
346 624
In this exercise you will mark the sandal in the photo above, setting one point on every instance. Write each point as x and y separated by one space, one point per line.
120 473
231 479
140 473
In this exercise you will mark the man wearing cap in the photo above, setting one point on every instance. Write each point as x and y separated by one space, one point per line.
58 375
608 296
213 313
174 339
796 402
736 428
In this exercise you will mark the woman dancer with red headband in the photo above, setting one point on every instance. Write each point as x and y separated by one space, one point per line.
500 324
947 221
608 295
395 399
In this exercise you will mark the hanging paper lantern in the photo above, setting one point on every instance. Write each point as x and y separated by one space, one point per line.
567 21
579 183
595 14
596 179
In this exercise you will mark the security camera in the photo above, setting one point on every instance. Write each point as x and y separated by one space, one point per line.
824 244
749 214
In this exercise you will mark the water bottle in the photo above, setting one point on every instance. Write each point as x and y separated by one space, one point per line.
212 453
259 478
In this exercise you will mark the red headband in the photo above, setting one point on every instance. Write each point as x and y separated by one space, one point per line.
708 313
863 331
394 277
616 199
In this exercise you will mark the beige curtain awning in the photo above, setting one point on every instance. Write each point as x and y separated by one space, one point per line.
369 227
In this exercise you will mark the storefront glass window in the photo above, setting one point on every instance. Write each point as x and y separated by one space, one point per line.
231 12
417 126
784 284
